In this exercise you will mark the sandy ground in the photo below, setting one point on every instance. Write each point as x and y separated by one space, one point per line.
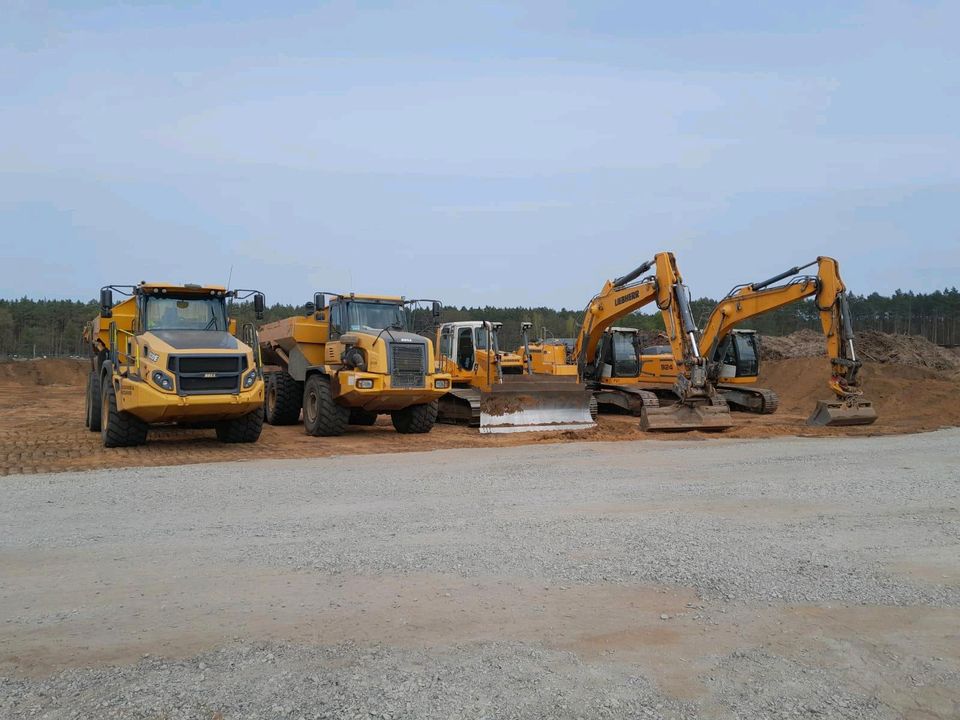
731 579
41 421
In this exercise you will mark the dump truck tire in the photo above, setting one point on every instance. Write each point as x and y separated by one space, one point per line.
359 416
415 419
594 408
283 399
118 428
322 417
94 398
245 429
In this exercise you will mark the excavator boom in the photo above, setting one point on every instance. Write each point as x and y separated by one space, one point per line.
848 407
698 406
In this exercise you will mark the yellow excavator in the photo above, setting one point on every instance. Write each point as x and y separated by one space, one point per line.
493 389
734 354
695 402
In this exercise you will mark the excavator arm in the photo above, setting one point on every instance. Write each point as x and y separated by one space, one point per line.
829 293
699 405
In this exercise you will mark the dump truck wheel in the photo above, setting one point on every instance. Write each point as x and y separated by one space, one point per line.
244 429
415 419
594 407
321 415
118 428
283 399
94 398
359 416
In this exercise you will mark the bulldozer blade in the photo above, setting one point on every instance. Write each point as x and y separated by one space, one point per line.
508 409
837 413
684 417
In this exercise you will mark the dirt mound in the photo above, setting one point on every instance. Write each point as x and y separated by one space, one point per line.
872 346
907 398
44 372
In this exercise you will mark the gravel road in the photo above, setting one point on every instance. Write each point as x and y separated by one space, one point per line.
782 578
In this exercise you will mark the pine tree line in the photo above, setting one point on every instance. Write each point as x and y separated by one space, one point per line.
37 328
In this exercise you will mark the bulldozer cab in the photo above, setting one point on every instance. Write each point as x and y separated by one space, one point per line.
468 344
738 356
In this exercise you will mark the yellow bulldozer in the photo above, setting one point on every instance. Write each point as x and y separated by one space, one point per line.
169 354
734 353
692 400
346 361
495 390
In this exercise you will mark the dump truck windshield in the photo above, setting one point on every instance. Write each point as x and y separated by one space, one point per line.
185 313
369 316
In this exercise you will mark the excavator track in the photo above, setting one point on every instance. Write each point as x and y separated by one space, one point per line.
612 398
760 401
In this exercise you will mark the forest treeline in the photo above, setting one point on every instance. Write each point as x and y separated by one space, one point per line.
34 328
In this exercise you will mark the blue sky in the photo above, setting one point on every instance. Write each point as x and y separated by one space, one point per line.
494 153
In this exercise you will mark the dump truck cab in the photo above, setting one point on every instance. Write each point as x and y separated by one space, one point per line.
170 354
347 360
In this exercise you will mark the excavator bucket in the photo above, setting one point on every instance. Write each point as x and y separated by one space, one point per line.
684 417
527 403
837 413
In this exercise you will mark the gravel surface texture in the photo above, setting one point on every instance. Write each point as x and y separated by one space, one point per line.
731 579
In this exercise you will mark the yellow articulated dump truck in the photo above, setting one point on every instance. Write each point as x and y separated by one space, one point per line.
170 354
347 361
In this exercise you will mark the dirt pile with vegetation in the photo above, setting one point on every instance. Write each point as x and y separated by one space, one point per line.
870 346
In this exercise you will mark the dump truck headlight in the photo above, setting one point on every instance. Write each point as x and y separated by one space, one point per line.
250 379
365 384
162 379
441 384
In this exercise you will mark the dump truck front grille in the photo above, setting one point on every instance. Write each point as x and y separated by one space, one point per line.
407 365
207 374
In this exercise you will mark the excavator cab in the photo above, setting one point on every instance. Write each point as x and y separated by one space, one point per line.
618 353
738 355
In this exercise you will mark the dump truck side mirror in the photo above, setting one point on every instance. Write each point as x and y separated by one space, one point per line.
319 301
106 302
259 305
436 309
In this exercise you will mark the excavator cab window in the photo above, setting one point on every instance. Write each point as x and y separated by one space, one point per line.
738 355
465 354
746 354
624 356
